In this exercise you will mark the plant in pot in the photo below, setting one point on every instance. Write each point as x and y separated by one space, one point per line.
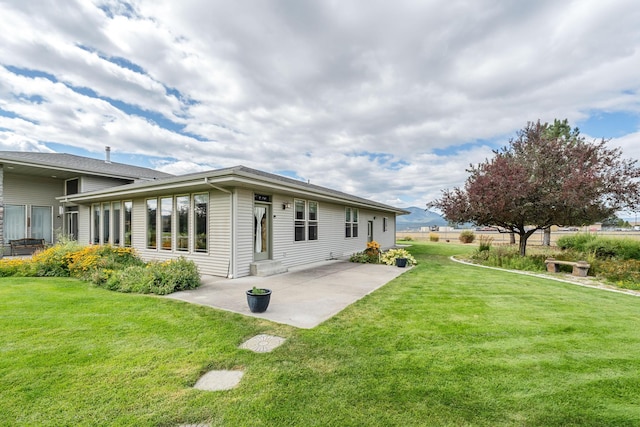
258 299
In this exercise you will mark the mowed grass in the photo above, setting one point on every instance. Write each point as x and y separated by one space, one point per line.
444 344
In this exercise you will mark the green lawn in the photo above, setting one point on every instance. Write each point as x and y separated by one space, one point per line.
444 344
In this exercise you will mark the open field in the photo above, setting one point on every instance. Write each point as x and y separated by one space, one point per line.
444 344
502 238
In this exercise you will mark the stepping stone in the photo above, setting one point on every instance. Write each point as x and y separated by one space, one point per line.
262 343
219 380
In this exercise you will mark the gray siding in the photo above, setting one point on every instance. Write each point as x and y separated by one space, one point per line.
34 191
93 183
244 231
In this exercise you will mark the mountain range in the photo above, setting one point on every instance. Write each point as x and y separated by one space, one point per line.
418 217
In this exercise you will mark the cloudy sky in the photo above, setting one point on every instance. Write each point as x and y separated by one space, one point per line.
390 100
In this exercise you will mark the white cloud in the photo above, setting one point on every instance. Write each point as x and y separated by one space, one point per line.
367 97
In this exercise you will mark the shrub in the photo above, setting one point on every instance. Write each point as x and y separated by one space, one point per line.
364 258
624 274
434 237
389 257
467 236
16 267
484 242
160 278
94 263
407 238
601 247
54 261
373 249
509 257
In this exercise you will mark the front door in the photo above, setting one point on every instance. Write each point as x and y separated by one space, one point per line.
370 231
261 232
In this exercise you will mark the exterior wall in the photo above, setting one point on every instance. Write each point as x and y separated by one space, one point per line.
1 210
244 231
331 243
94 183
34 191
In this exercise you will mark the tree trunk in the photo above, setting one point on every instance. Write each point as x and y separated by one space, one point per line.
546 237
512 238
523 244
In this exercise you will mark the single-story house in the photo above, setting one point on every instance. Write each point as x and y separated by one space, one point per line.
232 222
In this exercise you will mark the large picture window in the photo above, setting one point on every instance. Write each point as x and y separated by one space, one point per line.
152 223
351 222
96 223
200 208
41 223
182 212
128 208
116 223
15 220
166 219
106 220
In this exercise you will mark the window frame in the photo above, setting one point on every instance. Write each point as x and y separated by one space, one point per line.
303 224
351 222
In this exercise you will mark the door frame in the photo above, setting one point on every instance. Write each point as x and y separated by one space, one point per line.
266 232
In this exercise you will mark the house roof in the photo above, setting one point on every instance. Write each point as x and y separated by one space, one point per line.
238 176
68 165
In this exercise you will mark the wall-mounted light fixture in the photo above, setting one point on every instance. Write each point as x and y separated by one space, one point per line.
286 205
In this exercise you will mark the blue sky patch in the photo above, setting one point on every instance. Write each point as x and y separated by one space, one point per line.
610 125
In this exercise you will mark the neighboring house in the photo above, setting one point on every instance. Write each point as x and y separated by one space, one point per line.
31 182
232 222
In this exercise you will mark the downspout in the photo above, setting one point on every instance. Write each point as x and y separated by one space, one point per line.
230 266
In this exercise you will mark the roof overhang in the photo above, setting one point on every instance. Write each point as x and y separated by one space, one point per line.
227 180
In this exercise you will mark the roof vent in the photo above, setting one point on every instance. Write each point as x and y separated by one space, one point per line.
107 152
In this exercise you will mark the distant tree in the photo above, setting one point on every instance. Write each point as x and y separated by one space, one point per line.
615 222
548 175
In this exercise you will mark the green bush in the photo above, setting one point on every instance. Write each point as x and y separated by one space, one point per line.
160 278
484 243
55 261
509 257
112 267
434 237
601 247
467 236
364 258
624 274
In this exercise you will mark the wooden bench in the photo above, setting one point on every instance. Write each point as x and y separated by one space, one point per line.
580 268
27 245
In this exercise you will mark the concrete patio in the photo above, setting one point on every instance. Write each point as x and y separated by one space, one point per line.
303 297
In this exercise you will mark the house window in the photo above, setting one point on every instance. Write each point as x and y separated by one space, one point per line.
42 222
106 218
152 223
128 207
166 220
15 222
305 220
200 205
300 219
385 224
96 224
351 222
182 212
312 224
116 223
71 186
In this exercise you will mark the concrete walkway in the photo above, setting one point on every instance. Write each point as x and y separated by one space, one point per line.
304 297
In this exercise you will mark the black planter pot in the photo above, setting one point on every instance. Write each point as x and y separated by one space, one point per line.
401 262
258 303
